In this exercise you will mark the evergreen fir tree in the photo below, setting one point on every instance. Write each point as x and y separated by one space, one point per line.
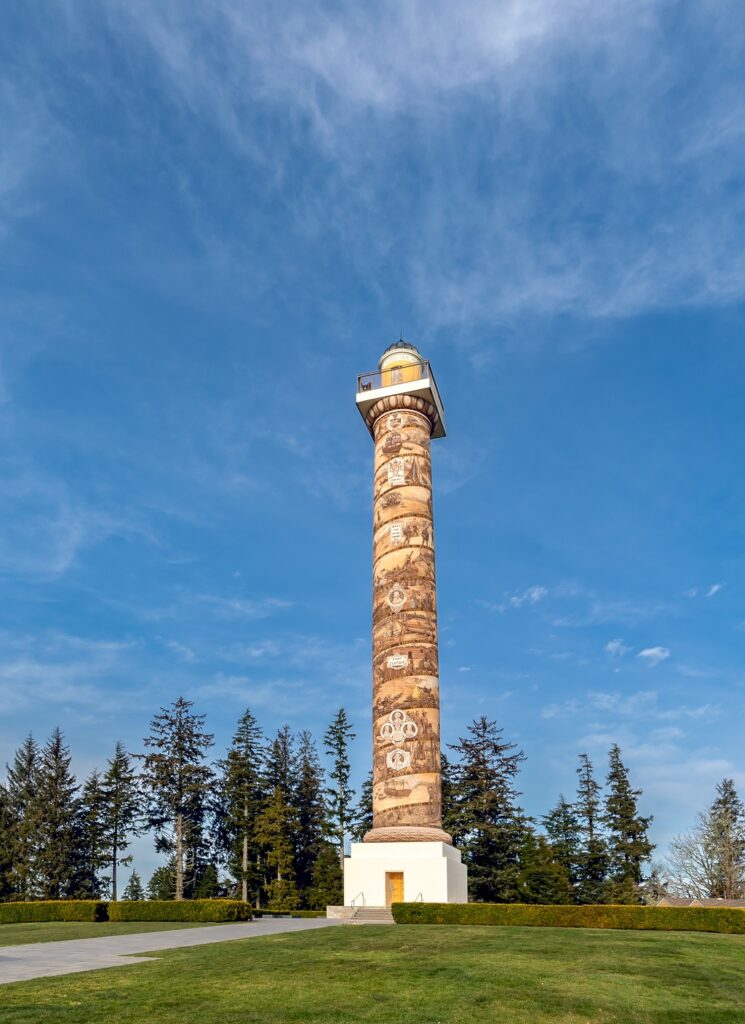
93 852
281 764
542 879
6 851
134 890
340 794
451 814
493 826
162 884
177 782
207 885
58 837
198 835
655 886
122 812
562 827
727 817
629 847
363 812
242 796
23 811
709 860
593 863
310 810
274 831
327 884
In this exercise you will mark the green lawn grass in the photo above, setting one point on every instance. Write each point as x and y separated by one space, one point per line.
54 931
410 975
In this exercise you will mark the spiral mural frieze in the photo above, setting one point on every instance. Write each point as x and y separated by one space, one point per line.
406 713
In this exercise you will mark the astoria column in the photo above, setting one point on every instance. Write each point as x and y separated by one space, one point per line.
406 699
402 409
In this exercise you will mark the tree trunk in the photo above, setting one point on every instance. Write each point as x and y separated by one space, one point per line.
179 856
244 869
116 852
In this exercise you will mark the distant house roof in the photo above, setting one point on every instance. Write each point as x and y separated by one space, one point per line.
719 903
686 901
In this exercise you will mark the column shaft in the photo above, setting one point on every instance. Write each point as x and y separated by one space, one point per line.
406 707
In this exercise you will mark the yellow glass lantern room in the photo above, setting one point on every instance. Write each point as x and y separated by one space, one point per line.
401 371
401 363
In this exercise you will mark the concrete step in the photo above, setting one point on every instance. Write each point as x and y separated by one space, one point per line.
372 915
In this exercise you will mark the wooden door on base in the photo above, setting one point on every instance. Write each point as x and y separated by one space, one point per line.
394 887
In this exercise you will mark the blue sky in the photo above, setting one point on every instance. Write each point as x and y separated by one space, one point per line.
212 217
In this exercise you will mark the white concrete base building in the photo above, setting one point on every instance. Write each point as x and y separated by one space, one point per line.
378 874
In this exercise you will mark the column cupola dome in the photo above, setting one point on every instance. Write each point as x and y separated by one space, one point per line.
400 353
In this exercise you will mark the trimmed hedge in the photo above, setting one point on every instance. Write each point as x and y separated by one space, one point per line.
53 910
179 910
684 919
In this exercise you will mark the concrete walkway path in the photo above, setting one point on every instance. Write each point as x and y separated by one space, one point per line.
46 959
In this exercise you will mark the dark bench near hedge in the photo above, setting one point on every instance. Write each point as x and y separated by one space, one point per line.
684 919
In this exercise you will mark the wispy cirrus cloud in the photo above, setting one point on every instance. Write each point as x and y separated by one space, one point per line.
271 694
32 144
304 669
63 670
522 238
599 701
618 705
304 653
531 596
182 651
243 607
710 591
709 712
45 526
613 611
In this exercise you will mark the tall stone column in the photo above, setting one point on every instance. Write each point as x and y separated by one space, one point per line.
406 855
406 703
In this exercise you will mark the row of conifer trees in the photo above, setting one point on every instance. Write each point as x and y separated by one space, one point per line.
268 822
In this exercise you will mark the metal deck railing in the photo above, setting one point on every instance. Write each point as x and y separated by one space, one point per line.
408 373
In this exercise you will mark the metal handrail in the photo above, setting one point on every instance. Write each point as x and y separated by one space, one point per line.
373 381
353 902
